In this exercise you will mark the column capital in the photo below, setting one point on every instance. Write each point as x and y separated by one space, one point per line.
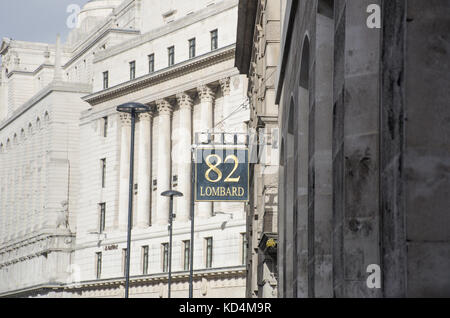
225 85
145 116
125 119
185 101
164 107
206 93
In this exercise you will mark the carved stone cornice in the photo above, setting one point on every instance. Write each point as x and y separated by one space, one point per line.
225 85
206 94
185 101
164 107
154 281
181 69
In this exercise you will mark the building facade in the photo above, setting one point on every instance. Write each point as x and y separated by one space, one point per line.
178 58
257 56
364 154
39 164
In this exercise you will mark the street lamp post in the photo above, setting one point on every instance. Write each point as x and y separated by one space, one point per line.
171 194
191 250
133 109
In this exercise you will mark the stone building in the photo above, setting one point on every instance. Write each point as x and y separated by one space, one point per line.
39 167
257 56
364 173
178 58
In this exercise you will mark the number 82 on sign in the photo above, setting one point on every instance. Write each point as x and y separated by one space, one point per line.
221 174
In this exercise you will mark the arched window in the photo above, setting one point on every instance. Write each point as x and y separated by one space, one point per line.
38 123
22 134
1 148
30 128
46 117
289 199
301 217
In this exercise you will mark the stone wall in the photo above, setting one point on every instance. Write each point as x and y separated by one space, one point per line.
367 138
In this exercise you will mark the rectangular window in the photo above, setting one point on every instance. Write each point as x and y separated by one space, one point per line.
124 261
187 255
102 217
144 260
103 167
132 70
99 265
171 53
209 250
105 127
214 40
105 80
192 48
151 63
244 248
165 257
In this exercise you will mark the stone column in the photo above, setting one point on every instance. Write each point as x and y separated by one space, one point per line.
144 173
225 85
124 171
207 97
37 195
184 156
3 212
22 199
226 111
165 110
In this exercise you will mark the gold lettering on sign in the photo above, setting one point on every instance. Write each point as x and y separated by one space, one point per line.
213 168
222 192
236 164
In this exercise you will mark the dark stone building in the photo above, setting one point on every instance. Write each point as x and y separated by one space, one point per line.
364 180
257 56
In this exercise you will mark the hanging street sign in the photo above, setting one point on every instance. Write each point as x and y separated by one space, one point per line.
222 174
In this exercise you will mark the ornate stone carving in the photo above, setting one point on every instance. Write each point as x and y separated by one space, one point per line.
236 82
164 107
145 116
206 94
125 119
225 85
185 100
204 286
63 216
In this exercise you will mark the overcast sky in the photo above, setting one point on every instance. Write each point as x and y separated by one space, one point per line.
35 20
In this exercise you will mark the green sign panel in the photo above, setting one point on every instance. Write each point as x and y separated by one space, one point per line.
221 174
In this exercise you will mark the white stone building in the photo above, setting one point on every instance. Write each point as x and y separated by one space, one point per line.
65 152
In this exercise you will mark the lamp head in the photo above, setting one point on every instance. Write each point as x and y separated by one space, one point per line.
172 193
133 107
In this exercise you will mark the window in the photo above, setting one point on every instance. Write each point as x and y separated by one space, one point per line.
192 48
103 167
144 260
209 248
187 255
102 217
124 261
151 63
244 248
105 127
171 52
132 70
105 80
98 265
165 257
214 40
